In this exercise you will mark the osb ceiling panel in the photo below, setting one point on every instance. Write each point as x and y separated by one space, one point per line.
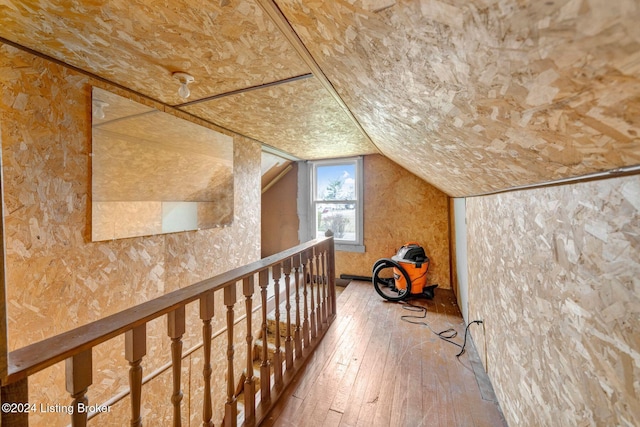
472 96
475 96
139 43
299 117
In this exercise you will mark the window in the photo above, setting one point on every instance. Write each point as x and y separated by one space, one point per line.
335 194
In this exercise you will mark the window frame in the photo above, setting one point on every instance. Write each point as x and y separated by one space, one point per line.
356 245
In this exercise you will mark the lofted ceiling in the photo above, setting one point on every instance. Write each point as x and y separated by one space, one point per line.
473 96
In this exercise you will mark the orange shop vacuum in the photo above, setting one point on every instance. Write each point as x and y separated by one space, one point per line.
403 275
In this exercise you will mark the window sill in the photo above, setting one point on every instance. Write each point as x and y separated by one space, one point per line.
347 247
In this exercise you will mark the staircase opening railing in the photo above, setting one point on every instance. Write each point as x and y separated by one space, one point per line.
301 281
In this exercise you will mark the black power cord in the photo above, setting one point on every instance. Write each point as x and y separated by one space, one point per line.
464 343
445 335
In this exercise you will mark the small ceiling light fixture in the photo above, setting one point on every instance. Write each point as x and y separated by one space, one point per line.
184 80
98 108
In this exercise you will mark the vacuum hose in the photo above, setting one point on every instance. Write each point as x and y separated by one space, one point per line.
384 285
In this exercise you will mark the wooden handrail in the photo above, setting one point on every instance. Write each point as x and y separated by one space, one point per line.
35 357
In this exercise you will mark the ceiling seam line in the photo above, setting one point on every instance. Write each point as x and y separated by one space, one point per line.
243 90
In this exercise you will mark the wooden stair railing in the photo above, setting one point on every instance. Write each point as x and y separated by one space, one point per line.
312 267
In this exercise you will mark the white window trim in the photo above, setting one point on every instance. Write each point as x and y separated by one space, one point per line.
306 188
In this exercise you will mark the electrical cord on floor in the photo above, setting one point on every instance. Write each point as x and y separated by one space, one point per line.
464 343
445 335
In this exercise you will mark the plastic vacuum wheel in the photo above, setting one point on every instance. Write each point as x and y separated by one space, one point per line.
385 286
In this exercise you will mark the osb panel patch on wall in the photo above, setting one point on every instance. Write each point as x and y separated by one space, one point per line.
310 124
555 275
474 96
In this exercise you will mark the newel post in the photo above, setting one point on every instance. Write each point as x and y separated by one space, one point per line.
16 392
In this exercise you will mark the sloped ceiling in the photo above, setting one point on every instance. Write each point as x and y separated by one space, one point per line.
471 95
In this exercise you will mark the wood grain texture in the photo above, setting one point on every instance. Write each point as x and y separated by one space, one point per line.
372 369
554 274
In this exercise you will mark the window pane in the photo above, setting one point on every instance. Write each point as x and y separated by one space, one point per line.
339 218
336 182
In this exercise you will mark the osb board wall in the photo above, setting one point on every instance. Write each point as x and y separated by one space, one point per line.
554 273
474 96
56 278
399 207
280 214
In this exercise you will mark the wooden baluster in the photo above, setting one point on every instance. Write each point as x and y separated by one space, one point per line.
265 374
175 330
135 347
298 329
78 379
331 275
288 342
312 303
277 357
249 382
323 257
318 277
231 407
206 314
305 320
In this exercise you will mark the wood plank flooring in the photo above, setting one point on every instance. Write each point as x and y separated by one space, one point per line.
373 369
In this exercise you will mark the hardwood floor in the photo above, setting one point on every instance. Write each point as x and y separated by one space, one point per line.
373 369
